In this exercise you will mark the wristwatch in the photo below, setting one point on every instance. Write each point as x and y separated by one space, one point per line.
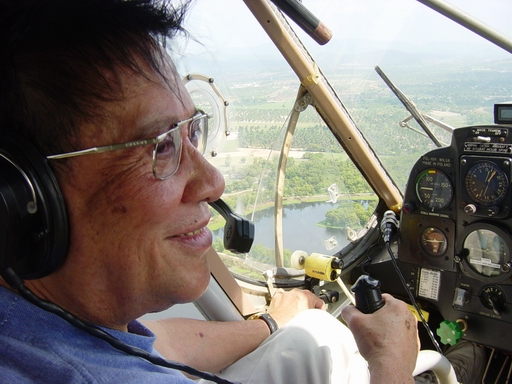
271 323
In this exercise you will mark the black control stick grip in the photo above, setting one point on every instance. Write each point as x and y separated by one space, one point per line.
367 294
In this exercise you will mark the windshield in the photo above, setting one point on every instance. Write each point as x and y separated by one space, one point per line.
450 76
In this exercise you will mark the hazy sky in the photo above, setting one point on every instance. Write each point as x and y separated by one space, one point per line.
383 20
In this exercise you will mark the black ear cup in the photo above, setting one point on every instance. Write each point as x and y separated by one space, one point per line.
34 228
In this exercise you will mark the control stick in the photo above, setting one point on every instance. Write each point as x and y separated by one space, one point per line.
367 294
368 299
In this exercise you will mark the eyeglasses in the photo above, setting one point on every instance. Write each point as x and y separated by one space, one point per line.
168 145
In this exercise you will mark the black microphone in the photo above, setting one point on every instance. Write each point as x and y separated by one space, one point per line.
388 225
238 232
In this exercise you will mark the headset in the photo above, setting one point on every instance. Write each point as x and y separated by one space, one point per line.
34 237
34 231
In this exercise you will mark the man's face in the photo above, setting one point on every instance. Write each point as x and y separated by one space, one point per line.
138 242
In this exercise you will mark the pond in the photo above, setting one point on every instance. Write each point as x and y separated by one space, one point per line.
300 229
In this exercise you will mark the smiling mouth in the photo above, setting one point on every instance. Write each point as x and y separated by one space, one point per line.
196 232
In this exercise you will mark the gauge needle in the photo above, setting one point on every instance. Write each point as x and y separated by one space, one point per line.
490 176
488 181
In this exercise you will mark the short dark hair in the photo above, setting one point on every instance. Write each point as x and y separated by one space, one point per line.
54 55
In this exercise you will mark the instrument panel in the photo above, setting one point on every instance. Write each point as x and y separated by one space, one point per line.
455 232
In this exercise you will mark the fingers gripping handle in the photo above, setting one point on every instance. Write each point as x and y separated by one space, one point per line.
367 294
368 299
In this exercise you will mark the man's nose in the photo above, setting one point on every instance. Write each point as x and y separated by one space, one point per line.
206 183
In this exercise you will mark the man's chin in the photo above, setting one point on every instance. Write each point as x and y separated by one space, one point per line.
197 289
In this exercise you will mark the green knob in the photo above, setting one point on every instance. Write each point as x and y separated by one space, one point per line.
449 332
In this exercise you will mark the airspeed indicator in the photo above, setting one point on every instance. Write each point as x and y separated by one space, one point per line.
434 189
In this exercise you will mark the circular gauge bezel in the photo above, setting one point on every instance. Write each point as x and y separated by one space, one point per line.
490 191
433 235
468 268
488 290
434 189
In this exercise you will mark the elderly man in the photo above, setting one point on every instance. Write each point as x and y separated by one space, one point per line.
90 100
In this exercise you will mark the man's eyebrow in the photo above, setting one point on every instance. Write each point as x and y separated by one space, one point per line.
154 128
194 113
158 126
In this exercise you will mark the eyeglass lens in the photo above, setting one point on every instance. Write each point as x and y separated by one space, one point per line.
167 153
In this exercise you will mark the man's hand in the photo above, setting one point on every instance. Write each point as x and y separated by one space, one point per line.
214 345
387 339
286 305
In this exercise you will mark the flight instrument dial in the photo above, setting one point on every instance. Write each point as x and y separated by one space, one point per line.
433 241
487 251
434 189
486 183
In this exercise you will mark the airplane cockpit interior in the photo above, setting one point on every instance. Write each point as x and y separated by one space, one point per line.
361 139
366 148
